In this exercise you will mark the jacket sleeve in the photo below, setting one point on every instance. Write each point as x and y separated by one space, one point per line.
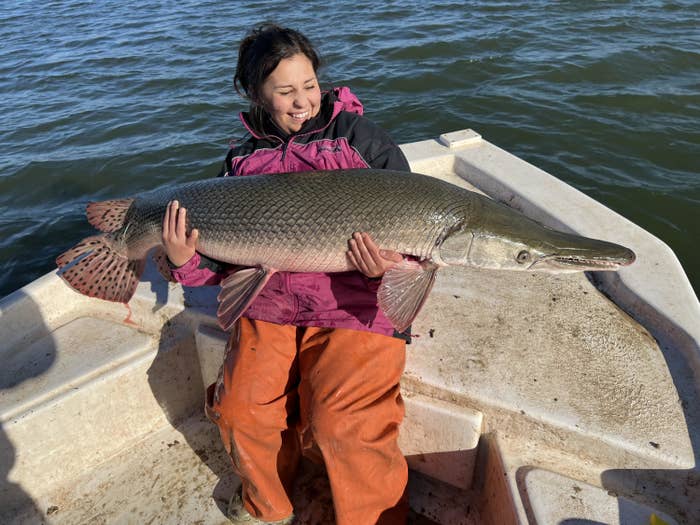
375 145
385 154
225 170
200 271
225 166
390 158
246 148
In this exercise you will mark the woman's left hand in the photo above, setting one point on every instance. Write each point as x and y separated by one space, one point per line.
368 258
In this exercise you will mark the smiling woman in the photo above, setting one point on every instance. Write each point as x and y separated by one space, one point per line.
299 326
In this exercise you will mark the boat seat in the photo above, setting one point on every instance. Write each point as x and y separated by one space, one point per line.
65 359
90 388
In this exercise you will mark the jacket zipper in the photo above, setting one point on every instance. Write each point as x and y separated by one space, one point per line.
285 147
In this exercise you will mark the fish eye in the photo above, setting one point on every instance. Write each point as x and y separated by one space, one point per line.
523 257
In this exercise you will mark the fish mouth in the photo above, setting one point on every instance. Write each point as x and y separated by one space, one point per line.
574 262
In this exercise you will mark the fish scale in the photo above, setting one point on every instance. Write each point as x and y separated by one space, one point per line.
243 220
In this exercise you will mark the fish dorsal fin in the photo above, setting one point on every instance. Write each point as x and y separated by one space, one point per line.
108 216
404 289
237 292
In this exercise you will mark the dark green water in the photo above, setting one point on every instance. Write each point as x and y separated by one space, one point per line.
106 99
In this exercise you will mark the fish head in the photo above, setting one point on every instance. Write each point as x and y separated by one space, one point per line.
502 238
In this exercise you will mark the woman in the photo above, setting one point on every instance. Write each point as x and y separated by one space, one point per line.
313 362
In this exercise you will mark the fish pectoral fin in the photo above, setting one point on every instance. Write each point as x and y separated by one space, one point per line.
237 292
404 290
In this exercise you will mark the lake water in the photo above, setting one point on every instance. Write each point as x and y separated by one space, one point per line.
107 99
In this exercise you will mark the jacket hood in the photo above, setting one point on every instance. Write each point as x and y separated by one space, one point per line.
339 99
345 100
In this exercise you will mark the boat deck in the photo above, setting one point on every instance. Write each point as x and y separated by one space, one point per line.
530 398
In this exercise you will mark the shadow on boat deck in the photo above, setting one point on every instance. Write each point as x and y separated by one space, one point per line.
13 499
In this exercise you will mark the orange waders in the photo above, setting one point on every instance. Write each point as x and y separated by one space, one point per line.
282 388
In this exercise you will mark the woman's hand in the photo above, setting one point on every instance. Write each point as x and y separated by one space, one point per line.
368 258
179 246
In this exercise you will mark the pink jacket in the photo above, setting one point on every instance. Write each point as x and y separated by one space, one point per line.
339 137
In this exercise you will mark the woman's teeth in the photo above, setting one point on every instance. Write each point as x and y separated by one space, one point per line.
300 116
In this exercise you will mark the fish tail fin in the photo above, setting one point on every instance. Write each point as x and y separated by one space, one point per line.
108 216
99 267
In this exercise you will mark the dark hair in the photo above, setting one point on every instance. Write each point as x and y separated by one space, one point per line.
261 51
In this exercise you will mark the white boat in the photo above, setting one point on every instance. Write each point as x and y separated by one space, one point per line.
529 398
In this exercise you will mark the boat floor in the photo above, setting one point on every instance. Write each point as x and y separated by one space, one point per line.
182 475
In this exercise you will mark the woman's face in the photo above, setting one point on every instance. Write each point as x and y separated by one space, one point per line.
290 94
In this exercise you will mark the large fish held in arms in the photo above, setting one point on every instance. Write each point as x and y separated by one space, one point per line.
301 222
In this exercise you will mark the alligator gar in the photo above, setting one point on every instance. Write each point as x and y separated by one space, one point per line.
301 222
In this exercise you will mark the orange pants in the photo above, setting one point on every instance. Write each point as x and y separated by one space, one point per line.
283 388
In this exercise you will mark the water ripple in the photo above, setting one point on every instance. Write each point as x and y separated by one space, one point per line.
113 98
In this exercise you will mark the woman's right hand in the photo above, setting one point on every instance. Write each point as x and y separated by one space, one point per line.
179 246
